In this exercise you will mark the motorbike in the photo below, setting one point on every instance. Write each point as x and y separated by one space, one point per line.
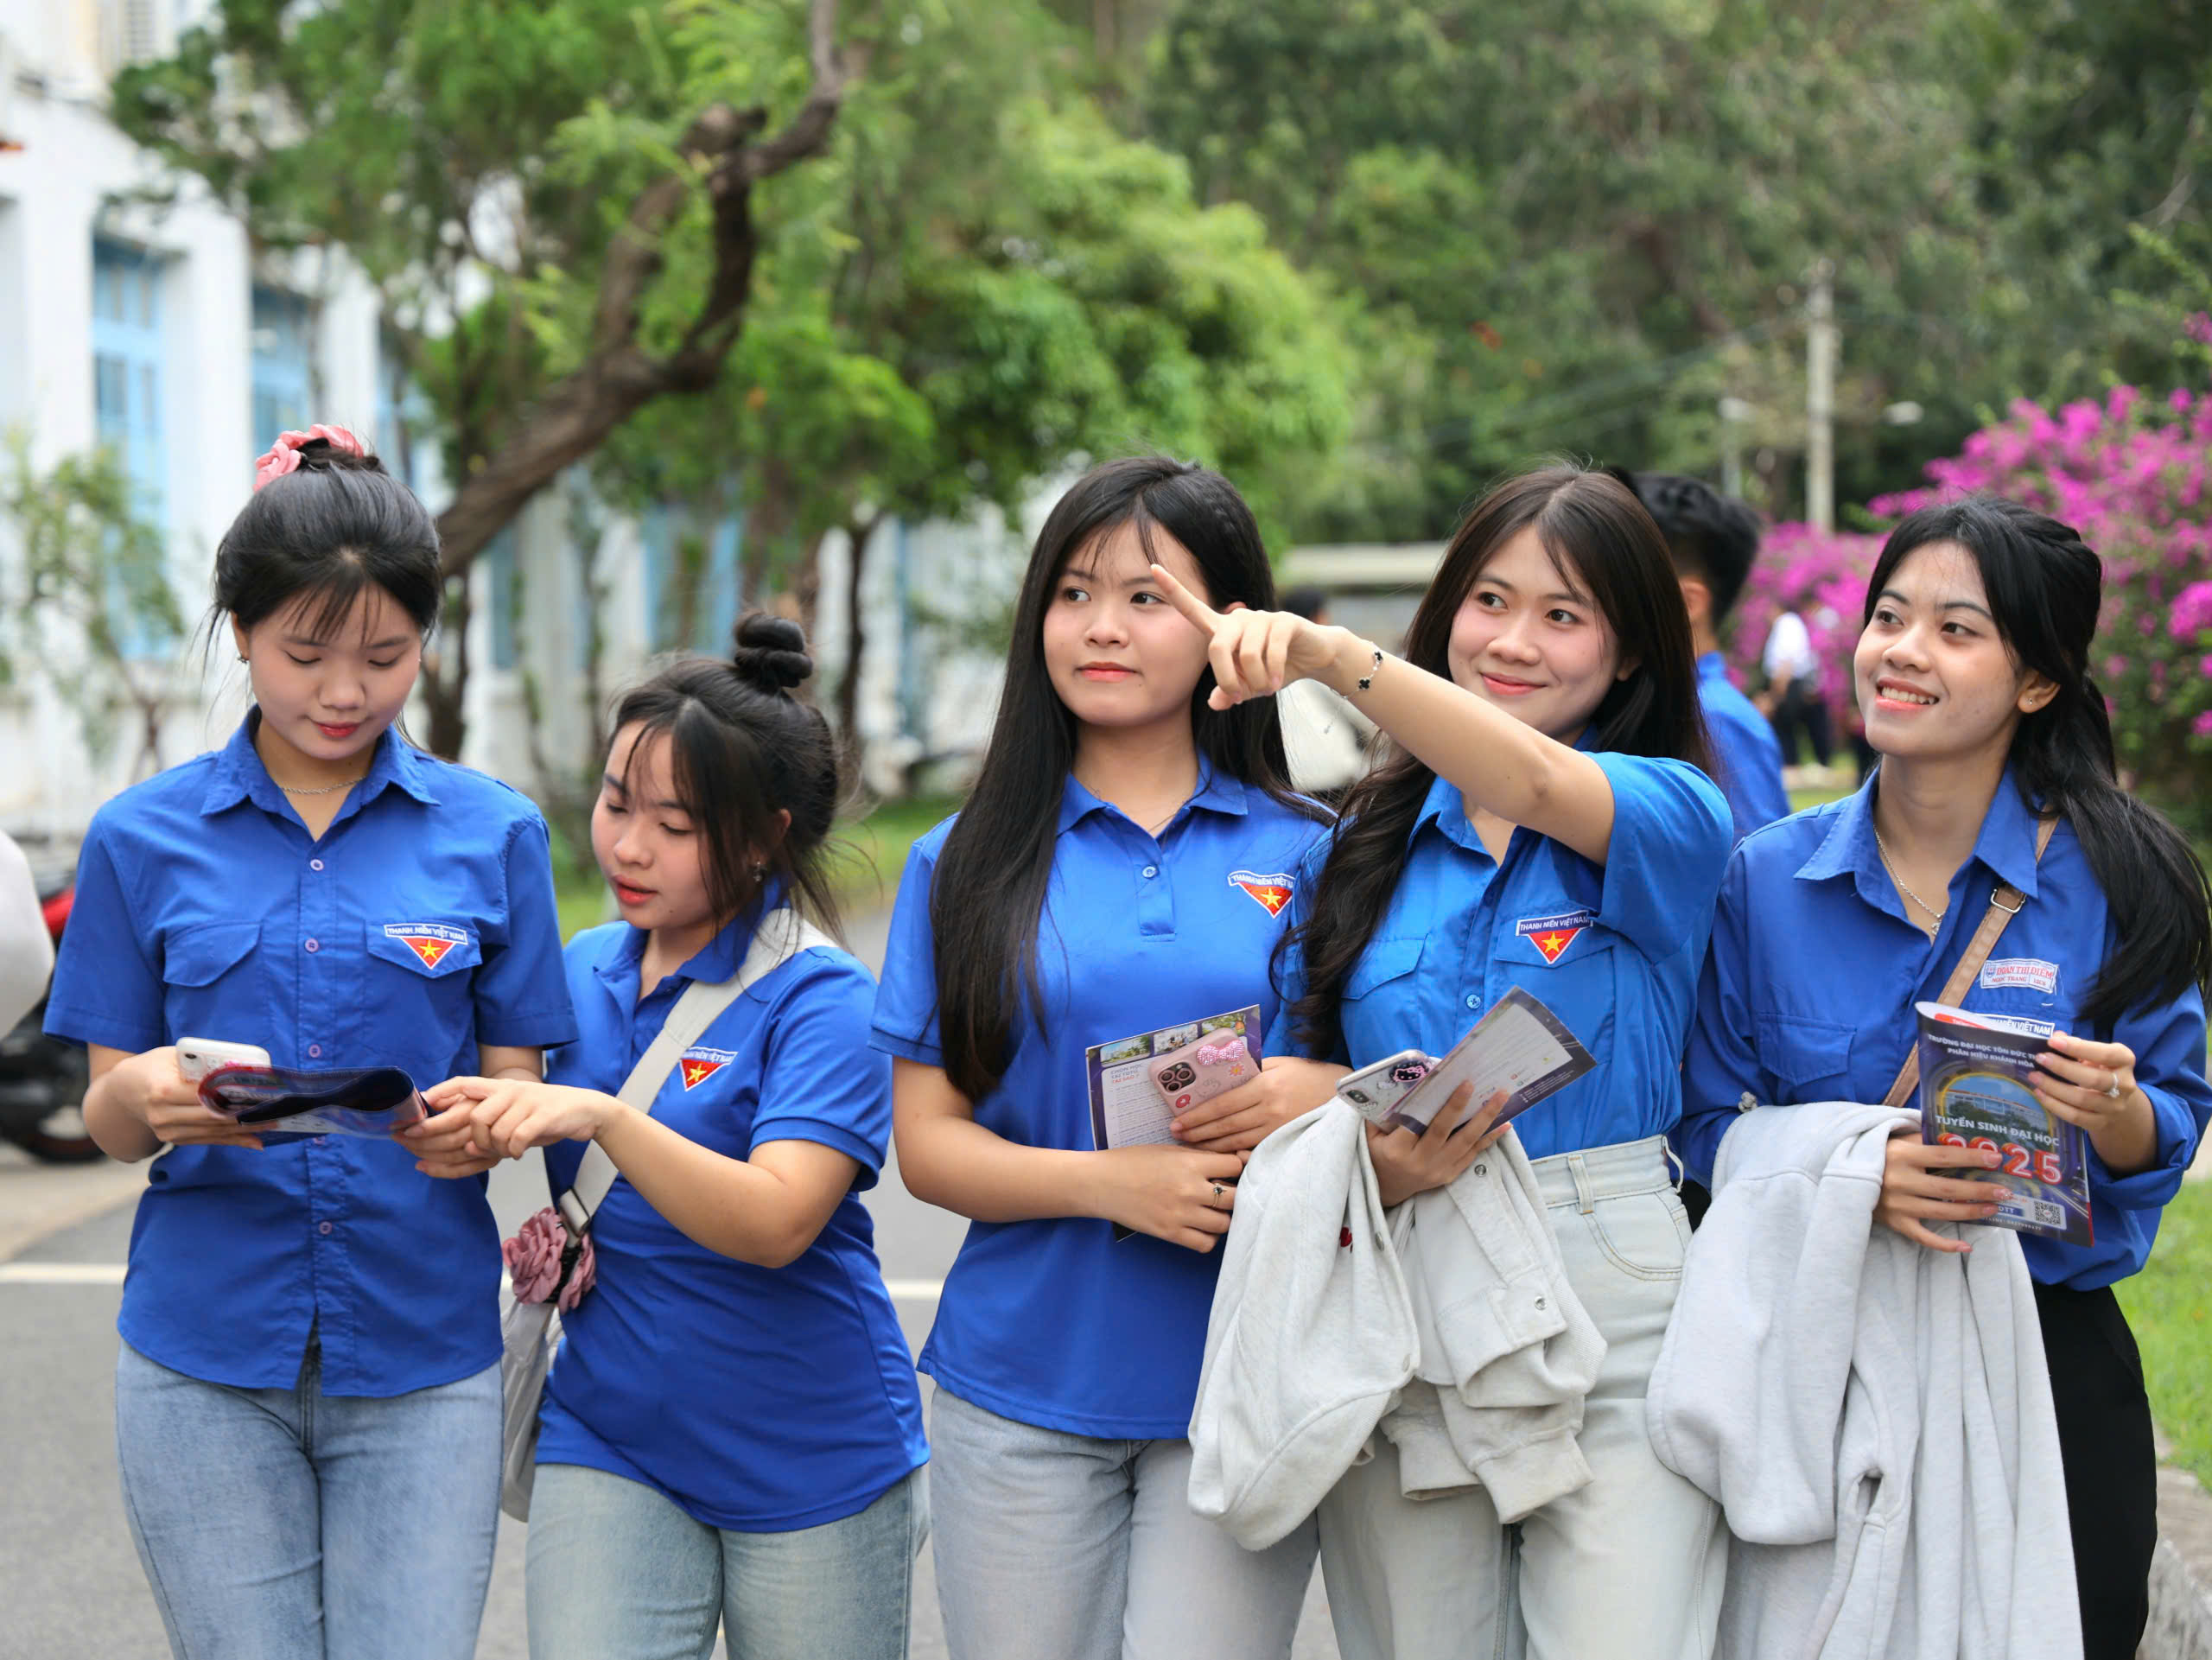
42 1079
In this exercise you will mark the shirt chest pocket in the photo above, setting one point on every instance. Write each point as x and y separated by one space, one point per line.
419 982
1569 968
1381 1007
1810 1060
210 990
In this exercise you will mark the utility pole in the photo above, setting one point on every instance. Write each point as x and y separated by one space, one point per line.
1820 399
1735 414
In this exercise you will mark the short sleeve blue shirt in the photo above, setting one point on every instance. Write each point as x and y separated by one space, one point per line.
759 1400
1053 1322
1612 949
1809 990
1744 749
420 925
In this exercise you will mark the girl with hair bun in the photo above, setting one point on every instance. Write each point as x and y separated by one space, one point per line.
307 1400
732 1432
1972 678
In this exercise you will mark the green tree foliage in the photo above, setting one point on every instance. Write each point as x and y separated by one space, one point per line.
85 574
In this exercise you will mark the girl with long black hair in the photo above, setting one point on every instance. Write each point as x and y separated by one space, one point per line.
1120 868
1972 678
1546 822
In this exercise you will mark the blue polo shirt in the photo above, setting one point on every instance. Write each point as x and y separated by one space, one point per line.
1612 949
1744 749
759 1400
1053 1322
1808 996
420 926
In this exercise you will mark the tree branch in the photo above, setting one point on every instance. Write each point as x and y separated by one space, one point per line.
574 415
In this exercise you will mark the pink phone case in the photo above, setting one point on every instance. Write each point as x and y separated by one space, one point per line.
1197 1072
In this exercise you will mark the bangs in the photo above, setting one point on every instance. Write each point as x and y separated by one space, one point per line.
319 609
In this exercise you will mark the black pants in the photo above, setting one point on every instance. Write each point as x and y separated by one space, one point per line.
2112 1481
1802 710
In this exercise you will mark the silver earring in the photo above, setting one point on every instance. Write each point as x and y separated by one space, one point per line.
242 656
759 873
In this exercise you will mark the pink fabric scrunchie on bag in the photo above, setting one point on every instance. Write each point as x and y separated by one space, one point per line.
533 1258
283 456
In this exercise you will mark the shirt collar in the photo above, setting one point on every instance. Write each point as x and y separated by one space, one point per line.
1218 791
713 963
1714 666
239 774
2007 845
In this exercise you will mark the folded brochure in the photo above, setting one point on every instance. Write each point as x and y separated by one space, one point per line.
1976 1090
371 1101
1519 1047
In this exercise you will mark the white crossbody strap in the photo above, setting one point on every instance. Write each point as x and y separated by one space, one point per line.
782 935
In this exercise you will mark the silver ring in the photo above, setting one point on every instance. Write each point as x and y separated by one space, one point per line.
2113 1094
1218 1191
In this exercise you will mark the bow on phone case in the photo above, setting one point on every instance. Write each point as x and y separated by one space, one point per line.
1199 1071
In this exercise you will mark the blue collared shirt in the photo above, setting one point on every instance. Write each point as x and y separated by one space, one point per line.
759 1400
420 926
1808 996
1744 749
1053 1322
1612 949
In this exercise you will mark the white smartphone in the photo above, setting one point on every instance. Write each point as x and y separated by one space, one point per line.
1375 1091
197 1057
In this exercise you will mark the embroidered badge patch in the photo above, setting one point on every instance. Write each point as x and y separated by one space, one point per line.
1272 891
700 1064
429 940
2030 972
1553 935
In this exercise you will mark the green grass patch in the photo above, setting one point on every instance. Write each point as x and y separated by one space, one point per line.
2169 1305
865 857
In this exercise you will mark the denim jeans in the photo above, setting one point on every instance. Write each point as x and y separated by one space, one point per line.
1053 1546
289 1524
1630 1567
617 1568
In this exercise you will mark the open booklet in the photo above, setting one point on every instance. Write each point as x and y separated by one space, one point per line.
371 1101
1976 1073
1520 1047
1137 1083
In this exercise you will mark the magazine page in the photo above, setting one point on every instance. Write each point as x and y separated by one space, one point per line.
370 1101
1520 1047
1976 1074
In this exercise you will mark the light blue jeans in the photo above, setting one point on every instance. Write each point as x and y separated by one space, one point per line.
617 1569
1053 1546
289 1524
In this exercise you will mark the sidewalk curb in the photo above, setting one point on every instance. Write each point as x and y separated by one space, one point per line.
2180 1569
72 1196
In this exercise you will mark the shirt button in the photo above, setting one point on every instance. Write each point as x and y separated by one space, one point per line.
323 1227
1474 1002
314 864
314 944
1152 870
314 1052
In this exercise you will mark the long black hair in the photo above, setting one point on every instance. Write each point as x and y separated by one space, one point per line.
1603 542
988 898
337 526
2044 585
742 748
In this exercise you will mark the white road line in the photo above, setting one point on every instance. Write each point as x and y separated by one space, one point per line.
111 1274
61 1273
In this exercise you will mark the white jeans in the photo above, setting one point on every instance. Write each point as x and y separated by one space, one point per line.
1631 1567
1052 1546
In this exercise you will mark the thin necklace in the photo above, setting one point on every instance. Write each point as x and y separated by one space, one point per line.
1899 880
327 789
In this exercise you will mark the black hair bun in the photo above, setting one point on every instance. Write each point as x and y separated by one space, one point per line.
771 653
320 456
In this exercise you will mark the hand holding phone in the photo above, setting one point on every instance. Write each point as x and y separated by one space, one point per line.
1375 1091
197 1057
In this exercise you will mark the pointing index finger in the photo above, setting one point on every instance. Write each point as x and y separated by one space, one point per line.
1192 607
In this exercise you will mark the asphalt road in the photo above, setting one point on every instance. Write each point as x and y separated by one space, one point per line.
70 1584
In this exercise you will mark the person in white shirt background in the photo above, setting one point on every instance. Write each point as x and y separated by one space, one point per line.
1792 699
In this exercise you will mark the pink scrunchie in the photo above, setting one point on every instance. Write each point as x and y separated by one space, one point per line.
533 1257
283 456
